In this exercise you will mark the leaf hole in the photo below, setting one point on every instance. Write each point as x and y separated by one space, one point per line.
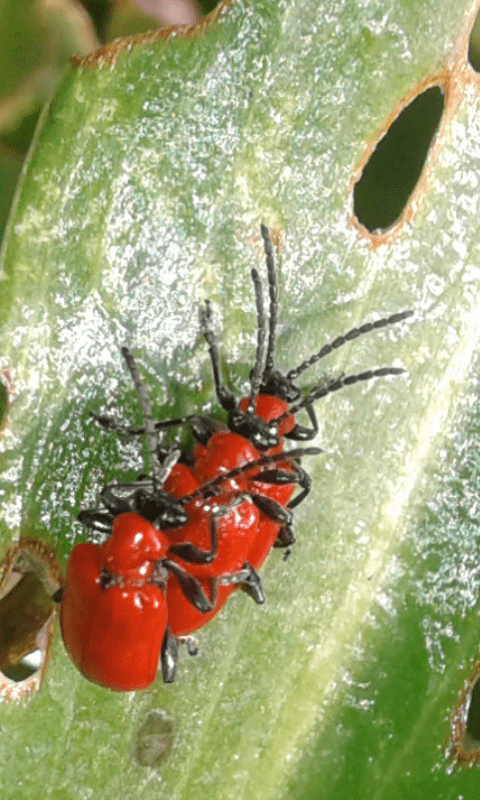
474 45
466 722
394 168
31 577
3 404
7 392
472 725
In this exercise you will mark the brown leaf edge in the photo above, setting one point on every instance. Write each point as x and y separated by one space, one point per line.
107 55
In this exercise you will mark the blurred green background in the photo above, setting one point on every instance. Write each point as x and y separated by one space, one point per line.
37 41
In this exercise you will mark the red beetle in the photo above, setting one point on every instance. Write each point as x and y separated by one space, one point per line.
118 618
216 516
114 614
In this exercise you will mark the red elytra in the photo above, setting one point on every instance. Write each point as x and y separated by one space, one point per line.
236 529
266 537
237 525
225 451
113 628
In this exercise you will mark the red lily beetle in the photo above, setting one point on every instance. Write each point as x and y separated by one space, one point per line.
113 617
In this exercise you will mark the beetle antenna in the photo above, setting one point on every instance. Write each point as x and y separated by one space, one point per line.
257 464
152 437
273 295
334 385
347 337
256 377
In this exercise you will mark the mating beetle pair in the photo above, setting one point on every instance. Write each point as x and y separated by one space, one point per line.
181 538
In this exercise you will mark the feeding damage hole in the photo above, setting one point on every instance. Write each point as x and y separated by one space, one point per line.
30 577
153 742
7 391
392 171
3 404
474 45
466 723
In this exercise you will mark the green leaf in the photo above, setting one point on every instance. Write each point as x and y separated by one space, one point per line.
153 169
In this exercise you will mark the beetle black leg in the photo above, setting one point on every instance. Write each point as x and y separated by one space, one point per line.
169 656
249 581
190 587
279 477
139 497
118 505
122 497
283 516
304 481
96 520
273 510
285 539
195 555
202 427
300 433
111 424
101 521
107 423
